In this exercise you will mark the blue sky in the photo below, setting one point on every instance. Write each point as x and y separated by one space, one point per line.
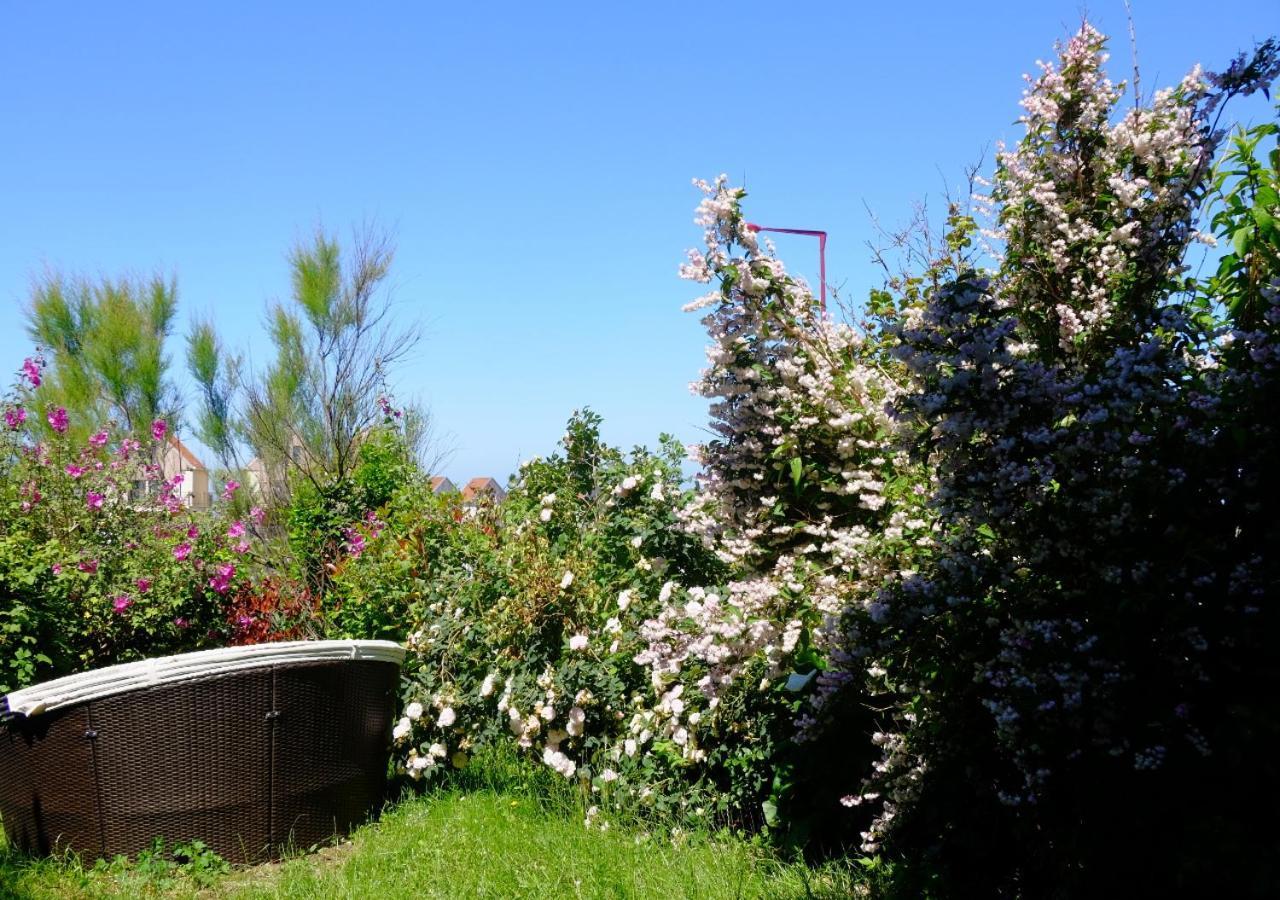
533 161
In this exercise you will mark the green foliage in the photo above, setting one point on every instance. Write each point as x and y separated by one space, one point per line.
106 344
308 413
1246 188
321 516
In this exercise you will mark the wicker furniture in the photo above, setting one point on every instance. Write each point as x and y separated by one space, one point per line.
252 750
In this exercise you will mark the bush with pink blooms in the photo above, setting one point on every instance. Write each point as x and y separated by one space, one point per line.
100 562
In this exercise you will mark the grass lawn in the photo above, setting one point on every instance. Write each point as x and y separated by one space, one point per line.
455 844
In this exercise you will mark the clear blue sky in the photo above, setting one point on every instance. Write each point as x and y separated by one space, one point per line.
533 161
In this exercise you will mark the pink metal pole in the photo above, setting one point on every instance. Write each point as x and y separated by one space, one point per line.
822 253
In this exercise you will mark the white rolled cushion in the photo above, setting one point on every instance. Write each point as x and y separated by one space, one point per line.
185 666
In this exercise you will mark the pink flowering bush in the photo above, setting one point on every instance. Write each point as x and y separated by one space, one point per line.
99 560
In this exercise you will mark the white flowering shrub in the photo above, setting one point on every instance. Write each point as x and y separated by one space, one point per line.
525 618
1067 671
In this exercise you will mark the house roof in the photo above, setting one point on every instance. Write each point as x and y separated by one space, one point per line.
482 485
184 453
441 483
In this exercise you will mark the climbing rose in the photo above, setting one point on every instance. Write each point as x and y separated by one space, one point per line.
158 428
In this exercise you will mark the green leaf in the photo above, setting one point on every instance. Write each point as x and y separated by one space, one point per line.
770 810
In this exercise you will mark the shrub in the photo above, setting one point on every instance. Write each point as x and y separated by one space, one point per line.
99 561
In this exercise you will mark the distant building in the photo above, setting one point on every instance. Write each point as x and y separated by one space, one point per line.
178 459
479 487
441 485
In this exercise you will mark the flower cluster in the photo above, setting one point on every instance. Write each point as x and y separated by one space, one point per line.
100 560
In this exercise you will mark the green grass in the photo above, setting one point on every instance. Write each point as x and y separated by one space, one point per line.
482 842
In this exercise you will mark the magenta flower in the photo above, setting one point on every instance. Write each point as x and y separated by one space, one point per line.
236 530
57 568
31 370
58 420
158 428
193 532
355 542
229 489
88 565
181 622
121 603
182 551
74 471
221 580
99 440
93 500
257 514
15 417
143 584
244 621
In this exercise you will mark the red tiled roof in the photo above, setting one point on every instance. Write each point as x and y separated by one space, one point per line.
477 486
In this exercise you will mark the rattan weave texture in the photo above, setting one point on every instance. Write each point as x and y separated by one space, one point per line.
252 763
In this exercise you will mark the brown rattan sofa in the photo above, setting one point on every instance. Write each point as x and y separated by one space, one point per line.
253 750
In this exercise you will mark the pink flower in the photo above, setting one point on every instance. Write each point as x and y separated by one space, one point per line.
355 542
257 514
74 471
99 440
144 585
15 417
241 548
57 568
181 622
193 532
31 370
244 621
221 580
58 419
158 428
88 565
121 603
236 529
182 551
93 500
229 489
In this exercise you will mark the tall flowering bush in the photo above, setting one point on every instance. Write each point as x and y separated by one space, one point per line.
1067 671
806 493
100 562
